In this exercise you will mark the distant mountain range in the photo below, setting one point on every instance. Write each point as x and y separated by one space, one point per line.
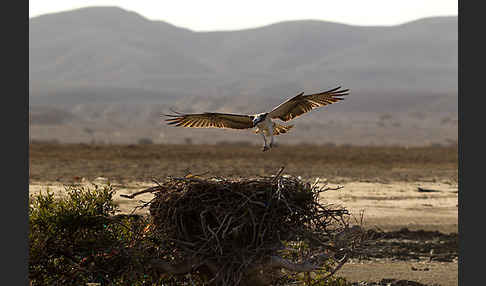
107 55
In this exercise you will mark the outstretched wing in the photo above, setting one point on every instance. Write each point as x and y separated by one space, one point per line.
208 120
301 103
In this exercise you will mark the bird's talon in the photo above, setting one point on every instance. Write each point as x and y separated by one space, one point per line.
265 148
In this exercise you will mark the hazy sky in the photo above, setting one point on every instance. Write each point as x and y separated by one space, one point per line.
208 15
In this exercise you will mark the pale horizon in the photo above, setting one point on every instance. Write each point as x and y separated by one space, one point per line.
219 15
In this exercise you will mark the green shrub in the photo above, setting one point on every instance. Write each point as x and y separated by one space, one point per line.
78 239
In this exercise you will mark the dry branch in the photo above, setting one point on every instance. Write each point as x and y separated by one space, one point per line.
149 190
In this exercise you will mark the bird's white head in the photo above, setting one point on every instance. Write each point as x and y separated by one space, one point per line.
259 118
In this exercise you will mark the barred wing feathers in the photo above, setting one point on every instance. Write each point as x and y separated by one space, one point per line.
209 120
301 103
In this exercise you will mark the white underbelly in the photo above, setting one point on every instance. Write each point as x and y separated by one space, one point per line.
265 127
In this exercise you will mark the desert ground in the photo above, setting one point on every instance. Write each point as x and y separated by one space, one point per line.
406 196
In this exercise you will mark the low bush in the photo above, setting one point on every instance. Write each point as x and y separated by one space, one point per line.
79 238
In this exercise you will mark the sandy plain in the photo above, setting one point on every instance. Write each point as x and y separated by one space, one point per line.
393 188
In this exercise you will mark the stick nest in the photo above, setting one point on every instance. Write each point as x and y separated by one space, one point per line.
231 229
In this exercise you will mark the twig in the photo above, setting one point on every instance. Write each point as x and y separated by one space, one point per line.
341 263
278 174
422 190
149 190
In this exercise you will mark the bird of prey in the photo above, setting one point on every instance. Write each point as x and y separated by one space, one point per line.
286 111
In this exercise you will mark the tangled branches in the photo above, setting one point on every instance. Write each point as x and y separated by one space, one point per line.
230 230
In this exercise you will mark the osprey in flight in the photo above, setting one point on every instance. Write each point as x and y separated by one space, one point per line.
286 111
